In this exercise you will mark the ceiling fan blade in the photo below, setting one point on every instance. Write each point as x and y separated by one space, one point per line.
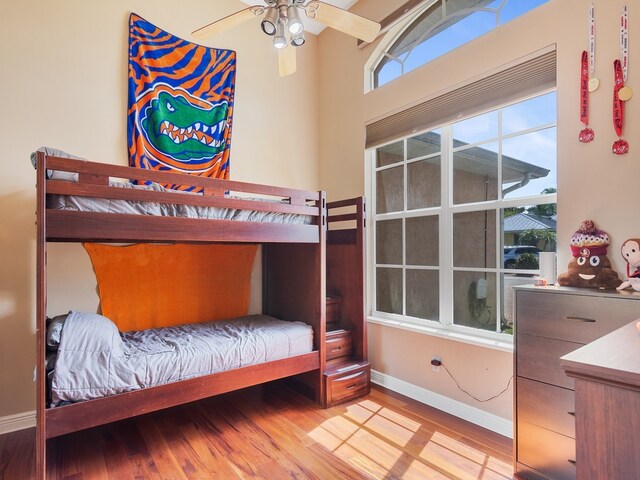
287 60
228 22
342 20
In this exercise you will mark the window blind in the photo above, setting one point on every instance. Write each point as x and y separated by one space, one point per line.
514 82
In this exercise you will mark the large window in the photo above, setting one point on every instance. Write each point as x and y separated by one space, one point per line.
441 26
461 214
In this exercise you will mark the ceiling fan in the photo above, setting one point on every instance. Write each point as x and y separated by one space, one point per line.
282 21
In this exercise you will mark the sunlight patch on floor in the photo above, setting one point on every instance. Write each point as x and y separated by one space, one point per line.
501 468
463 461
400 419
359 414
457 466
460 448
390 431
381 443
419 471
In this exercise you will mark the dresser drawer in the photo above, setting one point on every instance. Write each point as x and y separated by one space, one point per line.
538 359
339 344
545 451
347 385
574 318
546 406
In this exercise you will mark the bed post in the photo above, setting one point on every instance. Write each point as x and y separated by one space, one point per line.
361 219
41 311
322 327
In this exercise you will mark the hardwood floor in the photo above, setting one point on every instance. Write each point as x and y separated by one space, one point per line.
270 432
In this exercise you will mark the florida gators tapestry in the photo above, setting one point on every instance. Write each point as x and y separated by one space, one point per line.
180 103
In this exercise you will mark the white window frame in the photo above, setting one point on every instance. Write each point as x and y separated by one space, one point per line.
394 33
445 326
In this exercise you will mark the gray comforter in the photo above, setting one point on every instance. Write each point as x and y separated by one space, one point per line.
95 360
105 205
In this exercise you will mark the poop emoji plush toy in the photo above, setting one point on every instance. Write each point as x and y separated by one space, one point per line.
590 266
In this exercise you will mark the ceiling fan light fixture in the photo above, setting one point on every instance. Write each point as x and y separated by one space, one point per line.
281 20
280 41
270 21
297 40
295 25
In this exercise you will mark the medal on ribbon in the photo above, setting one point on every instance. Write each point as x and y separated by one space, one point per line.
620 146
586 134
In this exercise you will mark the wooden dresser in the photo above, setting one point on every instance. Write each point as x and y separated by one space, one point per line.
607 380
552 322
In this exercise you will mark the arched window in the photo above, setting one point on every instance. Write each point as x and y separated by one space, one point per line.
441 26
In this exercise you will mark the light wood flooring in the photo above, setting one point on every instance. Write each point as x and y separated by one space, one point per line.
271 432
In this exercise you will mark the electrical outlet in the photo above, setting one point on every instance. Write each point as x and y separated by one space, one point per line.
435 363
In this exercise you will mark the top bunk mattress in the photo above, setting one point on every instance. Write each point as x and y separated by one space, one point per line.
187 209
95 360
118 206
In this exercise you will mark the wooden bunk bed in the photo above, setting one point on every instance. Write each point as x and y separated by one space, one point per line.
294 277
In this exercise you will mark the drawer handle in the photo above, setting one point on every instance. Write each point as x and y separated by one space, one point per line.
352 386
572 462
337 349
581 319
573 414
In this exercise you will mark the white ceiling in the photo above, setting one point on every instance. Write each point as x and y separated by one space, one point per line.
312 26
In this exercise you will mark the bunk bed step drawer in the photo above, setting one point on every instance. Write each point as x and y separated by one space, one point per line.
339 344
347 383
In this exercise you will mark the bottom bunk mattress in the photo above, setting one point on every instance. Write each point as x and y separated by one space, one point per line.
94 359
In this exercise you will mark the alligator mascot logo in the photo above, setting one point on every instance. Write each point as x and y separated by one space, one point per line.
180 103
181 131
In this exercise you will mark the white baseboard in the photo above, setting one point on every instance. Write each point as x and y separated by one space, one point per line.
18 421
461 410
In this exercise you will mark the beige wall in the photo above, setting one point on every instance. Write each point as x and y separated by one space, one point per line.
64 85
592 183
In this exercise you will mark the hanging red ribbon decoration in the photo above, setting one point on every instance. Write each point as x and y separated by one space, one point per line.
586 134
620 146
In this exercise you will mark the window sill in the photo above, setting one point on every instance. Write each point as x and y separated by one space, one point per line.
492 341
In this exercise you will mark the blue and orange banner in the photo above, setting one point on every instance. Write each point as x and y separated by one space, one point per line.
180 106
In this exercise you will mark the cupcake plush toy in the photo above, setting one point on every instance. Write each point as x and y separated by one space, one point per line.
590 266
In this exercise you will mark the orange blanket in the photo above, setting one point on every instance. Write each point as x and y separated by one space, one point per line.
147 286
